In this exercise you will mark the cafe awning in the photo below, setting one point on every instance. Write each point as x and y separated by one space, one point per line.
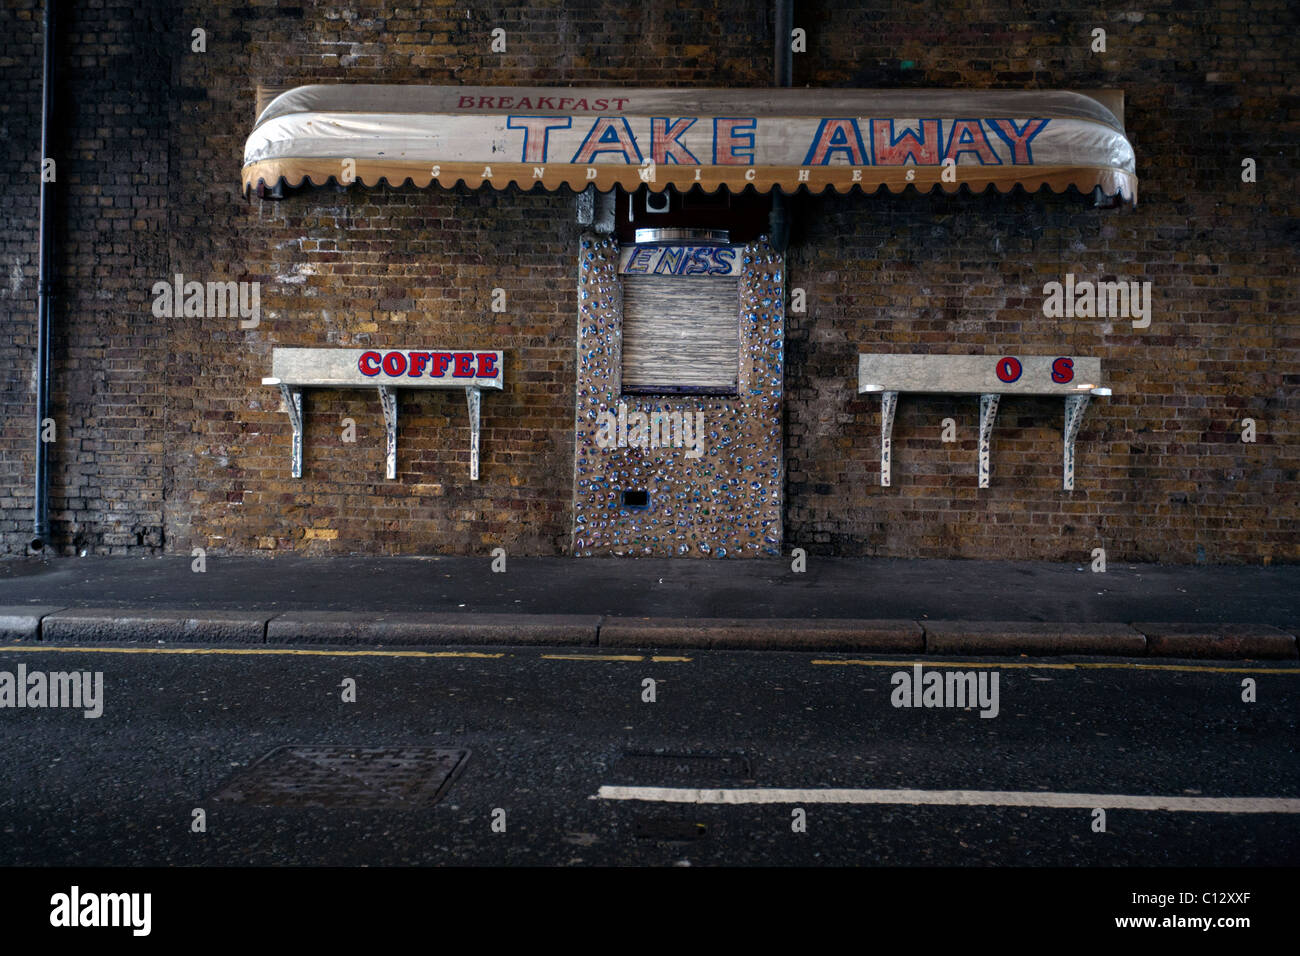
763 139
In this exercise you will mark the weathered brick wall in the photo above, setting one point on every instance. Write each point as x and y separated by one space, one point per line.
395 268
166 430
20 139
110 215
389 267
1161 473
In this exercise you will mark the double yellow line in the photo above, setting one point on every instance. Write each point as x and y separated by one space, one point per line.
654 659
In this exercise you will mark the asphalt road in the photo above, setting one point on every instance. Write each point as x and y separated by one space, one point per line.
545 730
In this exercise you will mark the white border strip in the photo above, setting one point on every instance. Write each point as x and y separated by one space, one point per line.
956 798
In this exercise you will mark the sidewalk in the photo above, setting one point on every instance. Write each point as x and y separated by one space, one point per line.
850 604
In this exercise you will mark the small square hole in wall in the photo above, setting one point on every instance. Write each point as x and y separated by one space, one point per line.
636 500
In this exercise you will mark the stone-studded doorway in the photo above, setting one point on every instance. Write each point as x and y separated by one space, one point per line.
723 497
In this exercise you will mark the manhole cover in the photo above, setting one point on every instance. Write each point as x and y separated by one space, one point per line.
364 777
701 769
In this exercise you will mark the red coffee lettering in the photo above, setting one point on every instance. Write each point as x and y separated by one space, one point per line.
394 363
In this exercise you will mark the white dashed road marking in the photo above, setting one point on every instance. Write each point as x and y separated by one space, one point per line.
956 798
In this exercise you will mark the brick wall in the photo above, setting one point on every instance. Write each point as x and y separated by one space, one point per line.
392 267
1161 473
110 213
20 139
168 440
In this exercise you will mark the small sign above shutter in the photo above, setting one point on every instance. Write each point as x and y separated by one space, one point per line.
680 260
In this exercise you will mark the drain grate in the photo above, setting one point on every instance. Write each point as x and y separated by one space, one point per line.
649 767
352 777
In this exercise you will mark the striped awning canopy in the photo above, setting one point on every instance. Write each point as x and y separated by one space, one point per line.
763 139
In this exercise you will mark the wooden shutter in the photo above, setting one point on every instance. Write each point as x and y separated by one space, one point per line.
680 333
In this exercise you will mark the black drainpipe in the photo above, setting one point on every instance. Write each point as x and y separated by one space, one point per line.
784 64
45 282
783 75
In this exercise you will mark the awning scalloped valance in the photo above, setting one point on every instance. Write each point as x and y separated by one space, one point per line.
762 139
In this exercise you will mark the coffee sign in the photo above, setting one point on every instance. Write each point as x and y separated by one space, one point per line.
397 368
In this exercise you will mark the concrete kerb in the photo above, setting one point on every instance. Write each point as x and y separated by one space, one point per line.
153 625
58 624
789 634
415 629
1257 641
1035 638
22 622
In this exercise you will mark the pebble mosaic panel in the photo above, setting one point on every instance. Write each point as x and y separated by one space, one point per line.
720 499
